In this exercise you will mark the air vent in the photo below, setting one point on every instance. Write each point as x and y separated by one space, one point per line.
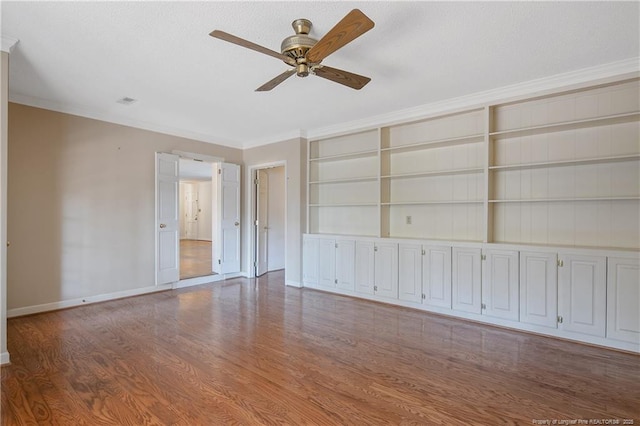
126 101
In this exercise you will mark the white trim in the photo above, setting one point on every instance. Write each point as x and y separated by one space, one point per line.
291 283
124 121
627 68
4 358
281 137
207 279
35 309
196 156
8 43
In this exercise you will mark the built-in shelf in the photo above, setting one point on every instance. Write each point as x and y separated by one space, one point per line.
567 125
351 155
417 203
345 180
345 205
578 162
433 173
548 200
434 144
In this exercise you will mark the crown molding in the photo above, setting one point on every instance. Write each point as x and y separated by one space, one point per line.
110 118
601 74
280 137
8 43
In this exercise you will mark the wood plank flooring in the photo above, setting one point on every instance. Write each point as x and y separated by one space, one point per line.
195 259
255 352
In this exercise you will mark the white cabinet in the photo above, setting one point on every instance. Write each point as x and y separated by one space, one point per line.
436 276
326 262
623 299
345 264
466 280
364 269
410 272
539 288
310 261
386 269
582 294
500 284
336 263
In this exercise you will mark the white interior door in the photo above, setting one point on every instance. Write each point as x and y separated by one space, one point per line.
167 219
262 222
191 212
229 217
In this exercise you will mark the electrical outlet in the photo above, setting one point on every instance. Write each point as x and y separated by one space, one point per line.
408 220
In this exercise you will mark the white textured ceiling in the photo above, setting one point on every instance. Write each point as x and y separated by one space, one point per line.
81 57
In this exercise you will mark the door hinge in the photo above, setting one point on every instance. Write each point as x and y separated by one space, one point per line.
560 319
560 263
256 181
483 257
219 262
256 222
375 288
424 252
483 306
424 296
336 245
375 248
219 171
335 281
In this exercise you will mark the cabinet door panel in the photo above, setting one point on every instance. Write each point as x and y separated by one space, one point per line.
539 288
410 272
466 280
623 299
583 292
326 262
500 286
386 270
364 269
436 275
310 261
345 264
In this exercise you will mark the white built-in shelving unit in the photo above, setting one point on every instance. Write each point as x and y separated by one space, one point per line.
523 213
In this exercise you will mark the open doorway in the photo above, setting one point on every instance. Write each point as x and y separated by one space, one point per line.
197 218
270 219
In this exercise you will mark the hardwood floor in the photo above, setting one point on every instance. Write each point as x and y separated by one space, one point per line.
195 259
255 352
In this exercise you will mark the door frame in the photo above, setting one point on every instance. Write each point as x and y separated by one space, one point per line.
251 254
209 159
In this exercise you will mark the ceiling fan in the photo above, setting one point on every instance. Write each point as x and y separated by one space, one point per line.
305 54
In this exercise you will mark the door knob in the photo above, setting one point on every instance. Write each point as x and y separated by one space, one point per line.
237 223
162 225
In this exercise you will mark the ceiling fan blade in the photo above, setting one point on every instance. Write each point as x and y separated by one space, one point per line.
346 78
352 26
274 82
249 45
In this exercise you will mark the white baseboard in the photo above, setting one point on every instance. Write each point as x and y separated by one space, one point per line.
28 310
190 282
292 283
4 358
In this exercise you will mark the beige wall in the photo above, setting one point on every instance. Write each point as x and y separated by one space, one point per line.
81 205
293 152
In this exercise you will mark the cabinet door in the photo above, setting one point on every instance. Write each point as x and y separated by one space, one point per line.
410 272
623 299
327 262
466 280
386 270
310 261
500 286
345 264
583 294
539 288
436 276
364 267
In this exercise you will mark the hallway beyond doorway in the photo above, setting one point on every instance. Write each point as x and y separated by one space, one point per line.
195 259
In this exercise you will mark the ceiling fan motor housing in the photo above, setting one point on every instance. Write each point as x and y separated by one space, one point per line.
297 46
